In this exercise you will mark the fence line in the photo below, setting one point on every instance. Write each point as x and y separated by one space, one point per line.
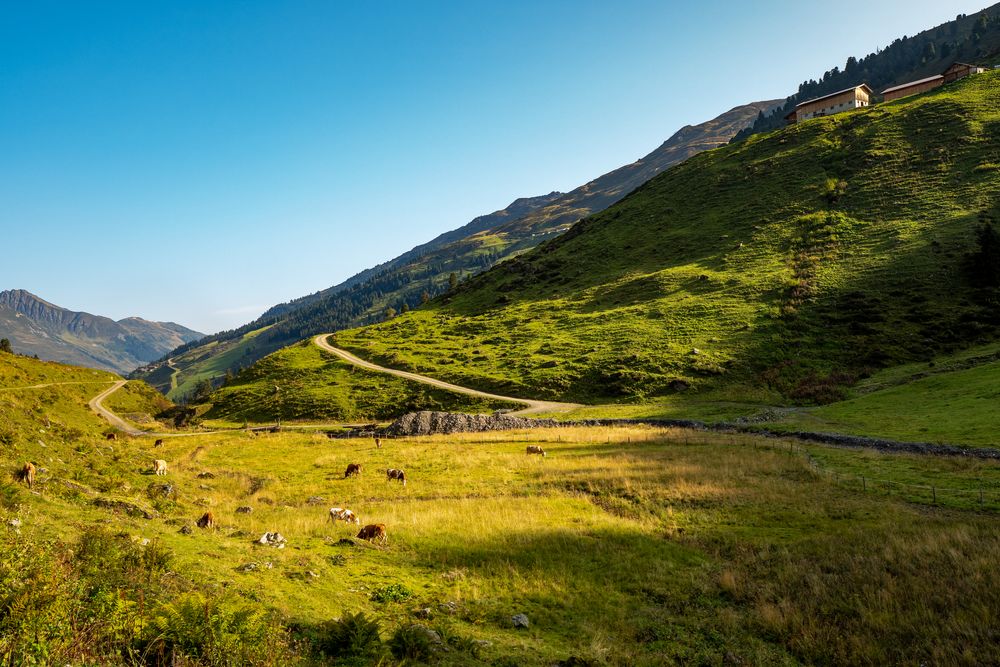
982 495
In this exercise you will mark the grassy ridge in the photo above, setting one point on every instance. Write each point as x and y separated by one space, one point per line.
29 415
303 382
793 264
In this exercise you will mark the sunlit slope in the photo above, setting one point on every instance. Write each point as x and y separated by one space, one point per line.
303 382
791 265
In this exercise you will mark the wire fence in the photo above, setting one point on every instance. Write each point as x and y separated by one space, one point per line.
979 495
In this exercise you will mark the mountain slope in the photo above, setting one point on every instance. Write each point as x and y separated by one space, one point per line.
37 327
424 271
792 263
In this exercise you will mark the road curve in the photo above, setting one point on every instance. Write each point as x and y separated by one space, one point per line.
96 404
532 406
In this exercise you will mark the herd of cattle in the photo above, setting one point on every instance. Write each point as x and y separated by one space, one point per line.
373 532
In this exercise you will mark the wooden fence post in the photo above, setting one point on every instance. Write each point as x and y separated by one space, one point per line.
864 484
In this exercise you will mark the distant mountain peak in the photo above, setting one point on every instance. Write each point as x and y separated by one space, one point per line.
36 326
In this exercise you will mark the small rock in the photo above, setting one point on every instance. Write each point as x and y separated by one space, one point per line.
204 487
246 509
316 500
206 475
520 620
311 574
448 607
14 523
186 530
273 540
432 636
695 351
248 567
346 542
423 613
482 643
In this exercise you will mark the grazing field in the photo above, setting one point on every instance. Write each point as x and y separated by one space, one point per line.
303 382
622 546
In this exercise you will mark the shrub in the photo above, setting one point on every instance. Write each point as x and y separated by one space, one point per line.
413 642
391 593
352 635
217 631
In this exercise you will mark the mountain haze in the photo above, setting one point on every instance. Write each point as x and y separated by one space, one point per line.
423 272
37 327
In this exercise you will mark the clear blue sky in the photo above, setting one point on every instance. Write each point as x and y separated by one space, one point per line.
201 161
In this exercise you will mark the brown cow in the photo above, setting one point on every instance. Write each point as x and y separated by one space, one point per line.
28 474
373 532
352 470
158 443
378 443
535 449
393 473
207 520
111 436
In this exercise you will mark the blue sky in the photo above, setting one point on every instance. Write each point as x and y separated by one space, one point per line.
201 161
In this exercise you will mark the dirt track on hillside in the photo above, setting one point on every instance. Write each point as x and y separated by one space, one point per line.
532 406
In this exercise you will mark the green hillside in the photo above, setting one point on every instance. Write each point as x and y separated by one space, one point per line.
303 382
41 400
792 264
951 399
427 270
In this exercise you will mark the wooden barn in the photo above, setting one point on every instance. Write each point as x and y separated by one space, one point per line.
913 87
960 71
842 100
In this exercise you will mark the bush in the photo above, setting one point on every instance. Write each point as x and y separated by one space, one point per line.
413 642
353 635
391 593
217 631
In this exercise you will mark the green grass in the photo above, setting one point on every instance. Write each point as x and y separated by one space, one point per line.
139 403
741 269
301 382
952 400
633 546
208 362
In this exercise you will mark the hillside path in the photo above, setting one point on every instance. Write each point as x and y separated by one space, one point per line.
96 404
532 406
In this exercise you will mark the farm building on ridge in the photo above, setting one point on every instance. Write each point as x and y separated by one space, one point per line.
954 72
960 71
842 100
913 87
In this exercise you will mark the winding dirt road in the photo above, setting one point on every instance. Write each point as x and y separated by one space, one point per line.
96 404
532 406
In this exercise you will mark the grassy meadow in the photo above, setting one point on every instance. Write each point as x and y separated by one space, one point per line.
623 546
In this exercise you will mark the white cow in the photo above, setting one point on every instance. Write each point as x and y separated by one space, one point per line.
160 467
345 515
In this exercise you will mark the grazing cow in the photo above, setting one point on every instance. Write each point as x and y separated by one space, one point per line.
352 470
378 443
158 443
345 515
159 467
207 520
28 474
393 473
111 436
373 532
535 449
